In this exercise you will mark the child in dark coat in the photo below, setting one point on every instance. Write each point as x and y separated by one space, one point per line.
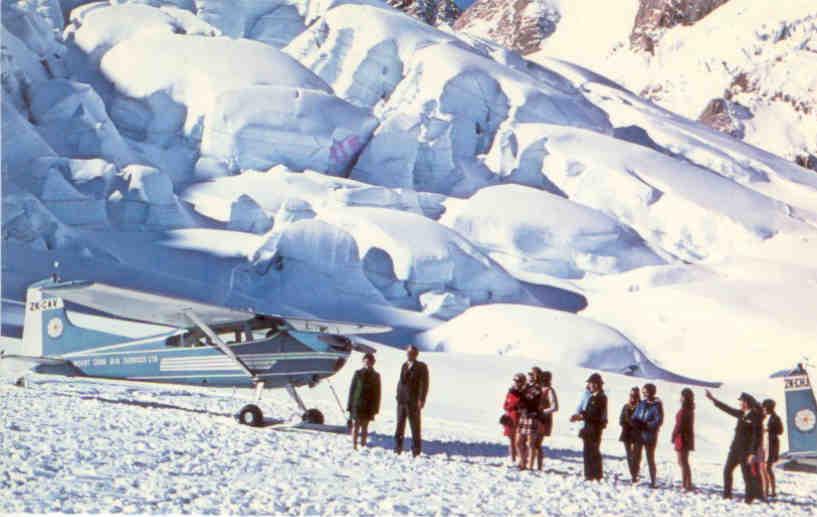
364 399
629 435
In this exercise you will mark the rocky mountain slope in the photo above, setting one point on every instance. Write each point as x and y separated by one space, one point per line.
742 67
521 25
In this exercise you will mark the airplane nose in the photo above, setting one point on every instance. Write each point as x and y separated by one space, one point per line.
339 364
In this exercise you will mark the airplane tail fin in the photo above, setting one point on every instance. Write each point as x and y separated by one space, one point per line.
801 413
47 331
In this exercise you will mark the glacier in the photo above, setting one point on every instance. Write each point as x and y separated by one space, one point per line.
338 158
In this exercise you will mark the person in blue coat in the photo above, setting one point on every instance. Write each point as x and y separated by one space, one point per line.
646 420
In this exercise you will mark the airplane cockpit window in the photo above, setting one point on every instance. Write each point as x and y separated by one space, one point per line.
229 334
187 340
174 340
235 336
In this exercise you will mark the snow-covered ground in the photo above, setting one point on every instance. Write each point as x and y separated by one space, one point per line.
84 446
341 159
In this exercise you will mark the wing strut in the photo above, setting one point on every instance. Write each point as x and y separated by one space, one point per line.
217 342
297 398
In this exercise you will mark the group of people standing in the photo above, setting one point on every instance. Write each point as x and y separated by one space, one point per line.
531 403
364 400
755 447
528 418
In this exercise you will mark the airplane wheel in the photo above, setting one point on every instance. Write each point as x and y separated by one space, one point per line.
312 416
251 415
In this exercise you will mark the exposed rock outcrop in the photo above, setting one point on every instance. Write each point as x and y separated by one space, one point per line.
726 116
654 16
433 12
521 25
809 161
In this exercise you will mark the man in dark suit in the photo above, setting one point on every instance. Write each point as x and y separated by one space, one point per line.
411 398
593 412
748 435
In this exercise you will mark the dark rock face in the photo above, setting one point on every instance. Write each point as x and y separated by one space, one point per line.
809 161
520 25
655 16
726 116
433 12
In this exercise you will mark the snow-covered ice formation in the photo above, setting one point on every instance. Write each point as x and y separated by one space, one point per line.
72 119
339 158
535 231
517 330
202 105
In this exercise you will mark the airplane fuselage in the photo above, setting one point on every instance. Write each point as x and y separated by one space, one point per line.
278 361
267 353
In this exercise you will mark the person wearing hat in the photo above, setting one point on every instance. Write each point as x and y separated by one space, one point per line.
364 399
744 446
593 412
510 418
412 390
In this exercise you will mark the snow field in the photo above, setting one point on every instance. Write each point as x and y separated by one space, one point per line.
82 446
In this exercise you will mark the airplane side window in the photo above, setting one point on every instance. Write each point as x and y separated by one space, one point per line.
179 340
228 337
235 337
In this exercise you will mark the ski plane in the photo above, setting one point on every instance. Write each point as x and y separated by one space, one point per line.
801 417
205 345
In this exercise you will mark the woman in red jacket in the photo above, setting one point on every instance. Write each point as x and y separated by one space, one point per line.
510 419
683 435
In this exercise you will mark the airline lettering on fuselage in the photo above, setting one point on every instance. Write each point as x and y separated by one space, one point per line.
797 383
45 305
117 361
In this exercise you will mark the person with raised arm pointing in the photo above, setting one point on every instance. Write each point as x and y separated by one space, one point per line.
744 445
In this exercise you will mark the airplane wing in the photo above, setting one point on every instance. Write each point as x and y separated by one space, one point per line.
161 309
142 306
333 327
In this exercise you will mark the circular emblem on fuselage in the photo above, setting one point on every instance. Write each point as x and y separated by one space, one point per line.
55 327
805 420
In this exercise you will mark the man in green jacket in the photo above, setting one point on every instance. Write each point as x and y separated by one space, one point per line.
364 399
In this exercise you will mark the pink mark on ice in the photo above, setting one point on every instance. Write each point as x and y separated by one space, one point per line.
344 149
